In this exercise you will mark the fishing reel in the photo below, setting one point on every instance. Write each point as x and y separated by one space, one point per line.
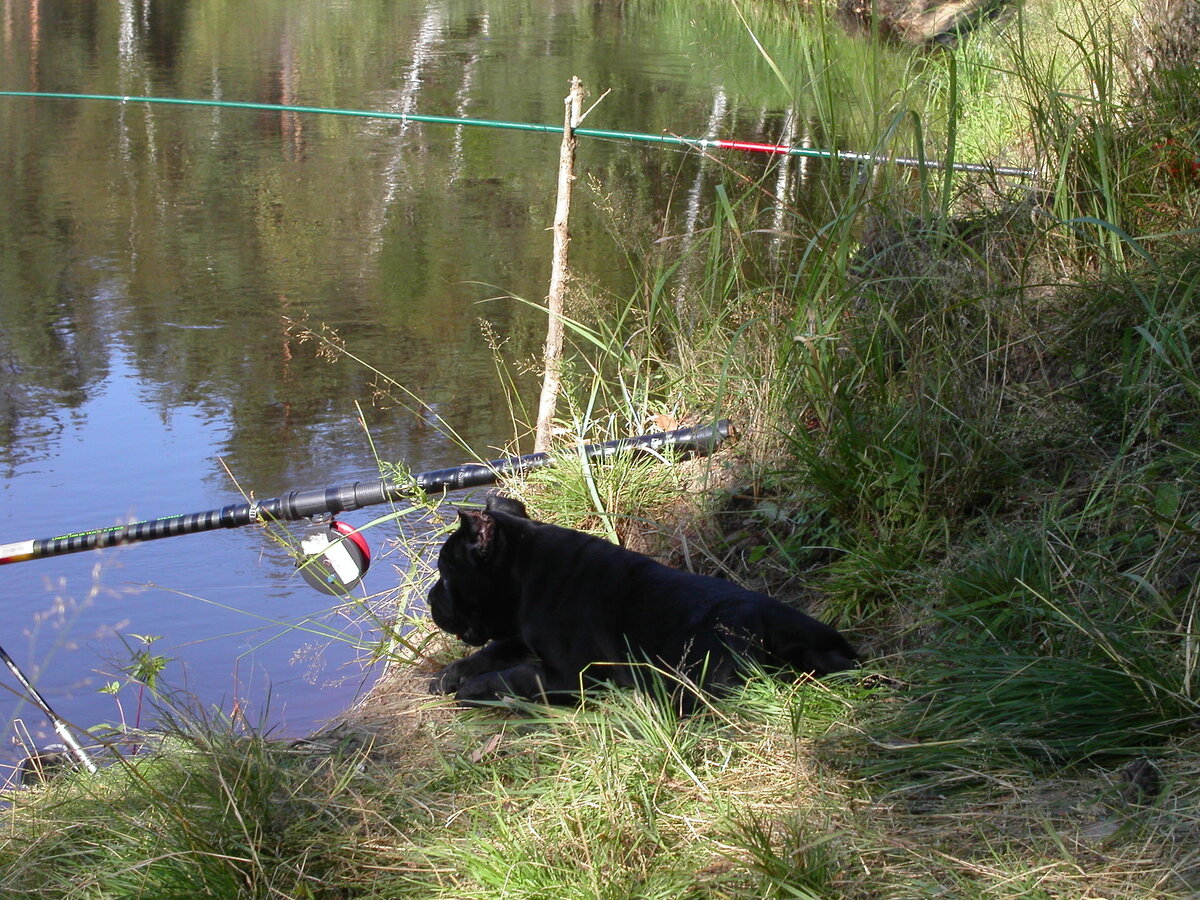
334 558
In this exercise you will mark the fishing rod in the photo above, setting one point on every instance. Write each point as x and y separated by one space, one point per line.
665 139
56 720
700 440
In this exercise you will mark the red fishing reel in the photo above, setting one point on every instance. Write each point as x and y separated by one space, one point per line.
334 559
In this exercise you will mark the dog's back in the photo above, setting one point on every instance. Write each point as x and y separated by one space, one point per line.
586 600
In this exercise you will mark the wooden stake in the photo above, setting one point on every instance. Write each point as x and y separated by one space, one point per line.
559 271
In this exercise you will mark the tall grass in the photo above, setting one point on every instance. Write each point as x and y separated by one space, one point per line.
621 798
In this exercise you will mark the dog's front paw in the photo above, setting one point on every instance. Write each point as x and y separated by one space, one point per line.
481 690
447 680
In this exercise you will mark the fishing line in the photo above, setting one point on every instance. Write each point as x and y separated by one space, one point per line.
669 140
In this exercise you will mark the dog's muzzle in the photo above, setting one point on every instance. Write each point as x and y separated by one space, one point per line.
441 607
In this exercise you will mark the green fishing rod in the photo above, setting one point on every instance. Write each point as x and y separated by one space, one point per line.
703 144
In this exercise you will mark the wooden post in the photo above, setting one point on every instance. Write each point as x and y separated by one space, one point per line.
560 271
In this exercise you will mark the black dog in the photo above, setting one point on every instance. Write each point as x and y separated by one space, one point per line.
557 610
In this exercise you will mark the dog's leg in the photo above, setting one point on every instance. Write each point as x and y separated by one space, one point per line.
523 681
495 656
527 681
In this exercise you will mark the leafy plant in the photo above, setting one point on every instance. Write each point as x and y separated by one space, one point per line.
143 669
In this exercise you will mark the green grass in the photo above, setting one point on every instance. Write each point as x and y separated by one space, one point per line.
969 419
621 798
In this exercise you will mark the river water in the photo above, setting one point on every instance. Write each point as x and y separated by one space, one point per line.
154 262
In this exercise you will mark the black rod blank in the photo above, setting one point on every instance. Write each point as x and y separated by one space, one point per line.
700 440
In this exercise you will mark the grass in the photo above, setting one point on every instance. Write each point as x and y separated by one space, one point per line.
970 436
621 798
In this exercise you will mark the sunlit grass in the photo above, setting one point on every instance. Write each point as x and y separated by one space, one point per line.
618 798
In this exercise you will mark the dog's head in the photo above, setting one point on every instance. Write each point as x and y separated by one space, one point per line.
475 595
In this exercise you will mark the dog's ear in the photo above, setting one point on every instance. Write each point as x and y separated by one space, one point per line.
509 505
480 528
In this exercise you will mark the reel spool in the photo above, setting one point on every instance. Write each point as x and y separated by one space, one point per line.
334 559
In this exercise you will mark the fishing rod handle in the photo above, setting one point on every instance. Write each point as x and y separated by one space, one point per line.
297 505
698 439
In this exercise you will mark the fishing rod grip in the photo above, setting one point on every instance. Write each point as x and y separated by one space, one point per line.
306 504
699 439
